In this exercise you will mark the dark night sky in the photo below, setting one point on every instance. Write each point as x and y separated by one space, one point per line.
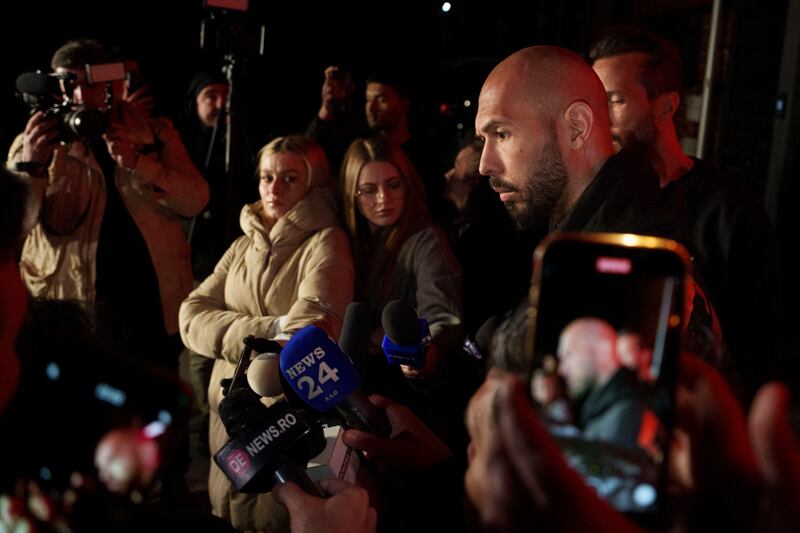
448 54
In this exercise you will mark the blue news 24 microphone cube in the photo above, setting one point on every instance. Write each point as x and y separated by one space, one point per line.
317 369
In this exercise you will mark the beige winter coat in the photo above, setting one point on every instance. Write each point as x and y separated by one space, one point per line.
269 283
59 255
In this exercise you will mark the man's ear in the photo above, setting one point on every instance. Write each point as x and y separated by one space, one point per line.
666 105
579 119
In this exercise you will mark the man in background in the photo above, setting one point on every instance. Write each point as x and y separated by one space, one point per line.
726 231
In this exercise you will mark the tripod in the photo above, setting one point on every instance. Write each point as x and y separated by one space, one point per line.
237 151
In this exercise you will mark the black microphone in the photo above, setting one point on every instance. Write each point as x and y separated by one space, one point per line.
268 445
356 329
479 348
407 336
324 377
483 338
35 83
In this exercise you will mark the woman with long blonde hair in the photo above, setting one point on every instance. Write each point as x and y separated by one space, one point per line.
291 268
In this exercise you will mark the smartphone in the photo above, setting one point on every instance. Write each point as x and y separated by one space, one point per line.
606 314
344 76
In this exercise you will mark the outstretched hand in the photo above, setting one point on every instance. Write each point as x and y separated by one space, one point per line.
412 444
517 475
334 91
346 510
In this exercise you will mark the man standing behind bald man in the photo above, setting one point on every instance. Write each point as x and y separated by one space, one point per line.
726 230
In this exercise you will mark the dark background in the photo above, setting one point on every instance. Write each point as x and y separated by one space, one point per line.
449 55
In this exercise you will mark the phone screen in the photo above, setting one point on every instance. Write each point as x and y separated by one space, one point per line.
607 312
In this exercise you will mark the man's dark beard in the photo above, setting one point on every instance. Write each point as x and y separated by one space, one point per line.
643 135
544 189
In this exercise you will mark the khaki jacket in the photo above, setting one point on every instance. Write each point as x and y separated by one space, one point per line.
270 283
66 210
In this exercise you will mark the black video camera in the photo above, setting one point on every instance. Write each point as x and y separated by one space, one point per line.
43 92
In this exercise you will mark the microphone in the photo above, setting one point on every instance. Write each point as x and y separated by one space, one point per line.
268 444
407 336
324 377
480 347
356 329
35 83
266 379
264 375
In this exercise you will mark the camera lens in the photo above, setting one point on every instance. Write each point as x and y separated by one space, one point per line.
85 123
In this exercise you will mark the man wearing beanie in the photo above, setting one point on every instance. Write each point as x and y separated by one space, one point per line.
212 231
203 132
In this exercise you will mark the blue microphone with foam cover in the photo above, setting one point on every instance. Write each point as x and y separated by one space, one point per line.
324 377
407 336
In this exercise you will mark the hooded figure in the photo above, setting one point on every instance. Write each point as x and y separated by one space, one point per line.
204 134
291 268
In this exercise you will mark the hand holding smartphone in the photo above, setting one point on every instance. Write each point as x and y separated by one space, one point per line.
606 315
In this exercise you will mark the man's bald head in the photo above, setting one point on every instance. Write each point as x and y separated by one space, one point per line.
543 114
587 354
548 79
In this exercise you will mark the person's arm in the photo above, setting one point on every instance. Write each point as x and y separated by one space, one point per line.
438 297
167 176
527 480
346 510
207 326
334 91
65 184
412 445
326 285
778 457
324 124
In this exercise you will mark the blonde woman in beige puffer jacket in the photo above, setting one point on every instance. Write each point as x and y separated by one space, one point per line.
291 268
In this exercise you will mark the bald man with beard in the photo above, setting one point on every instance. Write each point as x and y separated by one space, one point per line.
548 153
611 406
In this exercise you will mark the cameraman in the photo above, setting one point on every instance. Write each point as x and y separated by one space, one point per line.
107 211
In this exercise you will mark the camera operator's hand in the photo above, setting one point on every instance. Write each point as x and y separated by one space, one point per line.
40 137
347 509
333 91
142 101
412 444
124 152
